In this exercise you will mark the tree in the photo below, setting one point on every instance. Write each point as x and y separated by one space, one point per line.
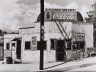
92 14
92 18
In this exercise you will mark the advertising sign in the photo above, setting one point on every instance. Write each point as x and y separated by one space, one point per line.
61 14
65 16
80 37
7 53
34 43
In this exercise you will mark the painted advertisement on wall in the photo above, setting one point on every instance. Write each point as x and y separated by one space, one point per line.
7 53
61 14
34 43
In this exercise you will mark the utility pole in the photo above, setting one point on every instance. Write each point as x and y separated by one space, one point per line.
41 34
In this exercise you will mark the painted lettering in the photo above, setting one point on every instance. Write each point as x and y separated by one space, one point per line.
64 16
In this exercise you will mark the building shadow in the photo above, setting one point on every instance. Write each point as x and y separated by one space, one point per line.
54 65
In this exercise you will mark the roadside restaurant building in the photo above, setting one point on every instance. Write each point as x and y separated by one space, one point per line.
64 30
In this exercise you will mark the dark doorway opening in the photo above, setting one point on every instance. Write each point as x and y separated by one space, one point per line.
18 50
60 50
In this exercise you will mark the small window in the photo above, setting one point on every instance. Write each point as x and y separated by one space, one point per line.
48 15
8 46
27 45
53 44
13 44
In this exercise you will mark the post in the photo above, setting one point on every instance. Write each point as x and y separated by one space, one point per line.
41 33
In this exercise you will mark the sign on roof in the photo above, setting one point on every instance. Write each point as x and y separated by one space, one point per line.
61 14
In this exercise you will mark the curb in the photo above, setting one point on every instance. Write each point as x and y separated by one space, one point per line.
72 67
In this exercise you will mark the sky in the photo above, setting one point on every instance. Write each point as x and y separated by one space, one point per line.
21 13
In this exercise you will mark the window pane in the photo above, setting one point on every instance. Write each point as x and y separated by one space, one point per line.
53 44
27 45
8 46
13 44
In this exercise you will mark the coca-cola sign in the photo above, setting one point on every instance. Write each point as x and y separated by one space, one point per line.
65 16
61 14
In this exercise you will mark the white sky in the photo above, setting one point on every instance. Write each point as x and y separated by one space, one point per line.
18 13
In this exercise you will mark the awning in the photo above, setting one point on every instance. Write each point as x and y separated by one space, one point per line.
16 39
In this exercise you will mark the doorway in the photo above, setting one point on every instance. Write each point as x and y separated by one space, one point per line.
18 50
60 50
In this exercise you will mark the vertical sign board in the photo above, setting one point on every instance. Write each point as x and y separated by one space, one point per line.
7 53
34 43
61 14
